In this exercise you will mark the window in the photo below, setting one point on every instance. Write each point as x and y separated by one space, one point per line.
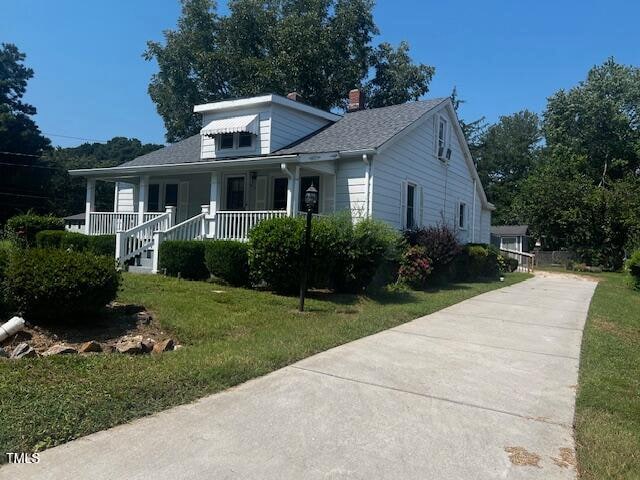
153 202
305 183
442 137
226 141
280 194
462 212
245 140
411 202
235 193
171 195
509 243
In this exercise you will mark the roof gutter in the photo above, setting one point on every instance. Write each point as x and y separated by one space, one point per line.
193 166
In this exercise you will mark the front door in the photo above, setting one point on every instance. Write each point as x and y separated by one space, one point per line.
235 193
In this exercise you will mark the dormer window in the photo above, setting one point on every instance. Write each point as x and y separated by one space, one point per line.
226 141
245 140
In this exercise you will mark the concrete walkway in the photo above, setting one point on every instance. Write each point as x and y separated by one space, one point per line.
483 389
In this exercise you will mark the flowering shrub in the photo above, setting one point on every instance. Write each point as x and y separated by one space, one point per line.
415 266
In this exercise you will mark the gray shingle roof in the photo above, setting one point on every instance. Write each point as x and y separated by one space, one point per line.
184 151
359 130
363 129
509 230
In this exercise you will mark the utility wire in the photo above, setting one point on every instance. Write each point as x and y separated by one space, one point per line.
75 138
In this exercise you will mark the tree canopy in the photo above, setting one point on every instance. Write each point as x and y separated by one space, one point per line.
318 48
23 175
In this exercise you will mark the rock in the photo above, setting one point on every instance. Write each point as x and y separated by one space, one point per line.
144 317
3 353
23 350
59 350
131 347
177 347
148 344
108 349
90 346
163 346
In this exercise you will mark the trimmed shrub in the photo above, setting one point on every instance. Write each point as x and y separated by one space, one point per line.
415 267
440 243
343 256
23 228
58 285
228 260
184 258
98 244
103 245
633 267
512 264
477 261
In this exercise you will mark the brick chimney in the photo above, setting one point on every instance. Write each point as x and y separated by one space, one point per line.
356 100
295 96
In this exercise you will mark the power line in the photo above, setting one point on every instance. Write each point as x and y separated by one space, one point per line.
22 154
28 166
75 138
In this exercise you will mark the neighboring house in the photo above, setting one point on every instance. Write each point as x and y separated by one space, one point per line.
408 165
75 223
511 237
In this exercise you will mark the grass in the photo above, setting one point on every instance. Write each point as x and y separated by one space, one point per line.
229 337
608 401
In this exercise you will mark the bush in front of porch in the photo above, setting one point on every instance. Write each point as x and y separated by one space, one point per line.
24 228
98 244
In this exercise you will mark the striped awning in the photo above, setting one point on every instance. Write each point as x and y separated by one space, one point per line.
245 123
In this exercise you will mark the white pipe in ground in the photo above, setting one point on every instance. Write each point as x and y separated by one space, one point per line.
10 328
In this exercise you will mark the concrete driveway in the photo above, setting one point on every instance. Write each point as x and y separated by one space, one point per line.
483 389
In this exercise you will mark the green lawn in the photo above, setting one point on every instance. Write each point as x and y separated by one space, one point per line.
608 403
229 338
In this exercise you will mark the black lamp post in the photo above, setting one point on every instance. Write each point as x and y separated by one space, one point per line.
311 200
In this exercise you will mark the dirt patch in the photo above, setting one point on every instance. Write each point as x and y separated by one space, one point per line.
565 459
523 458
629 335
119 320
572 276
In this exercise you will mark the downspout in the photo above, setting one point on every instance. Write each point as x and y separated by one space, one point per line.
367 175
473 213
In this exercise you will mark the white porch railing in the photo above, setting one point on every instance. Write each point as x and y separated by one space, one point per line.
525 260
108 223
140 238
235 225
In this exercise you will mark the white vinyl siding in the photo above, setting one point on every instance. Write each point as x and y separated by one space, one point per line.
289 125
126 201
414 158
351 187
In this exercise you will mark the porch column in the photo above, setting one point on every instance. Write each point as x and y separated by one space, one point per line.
89 204
214 204
143 198
296 193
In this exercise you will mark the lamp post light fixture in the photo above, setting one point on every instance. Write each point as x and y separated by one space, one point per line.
311 200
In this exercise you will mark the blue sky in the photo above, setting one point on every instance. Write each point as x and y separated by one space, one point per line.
91 80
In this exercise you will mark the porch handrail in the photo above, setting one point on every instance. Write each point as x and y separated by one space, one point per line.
108 223
191 229
236 224
526 260
131 242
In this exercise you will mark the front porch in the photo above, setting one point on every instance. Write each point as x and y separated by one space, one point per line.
220 204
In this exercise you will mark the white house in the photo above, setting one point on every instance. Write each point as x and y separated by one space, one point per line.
511 237
253 159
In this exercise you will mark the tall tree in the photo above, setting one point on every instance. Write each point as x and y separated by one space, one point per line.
396 79
23 175
474 130
68 192
599 119
506 152
318 48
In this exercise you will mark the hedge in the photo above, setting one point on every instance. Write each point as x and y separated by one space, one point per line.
184 258
98 244
51 285
227 260
23 228
633 267
343 256
477 261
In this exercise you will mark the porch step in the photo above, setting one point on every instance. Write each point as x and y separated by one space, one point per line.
139 269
